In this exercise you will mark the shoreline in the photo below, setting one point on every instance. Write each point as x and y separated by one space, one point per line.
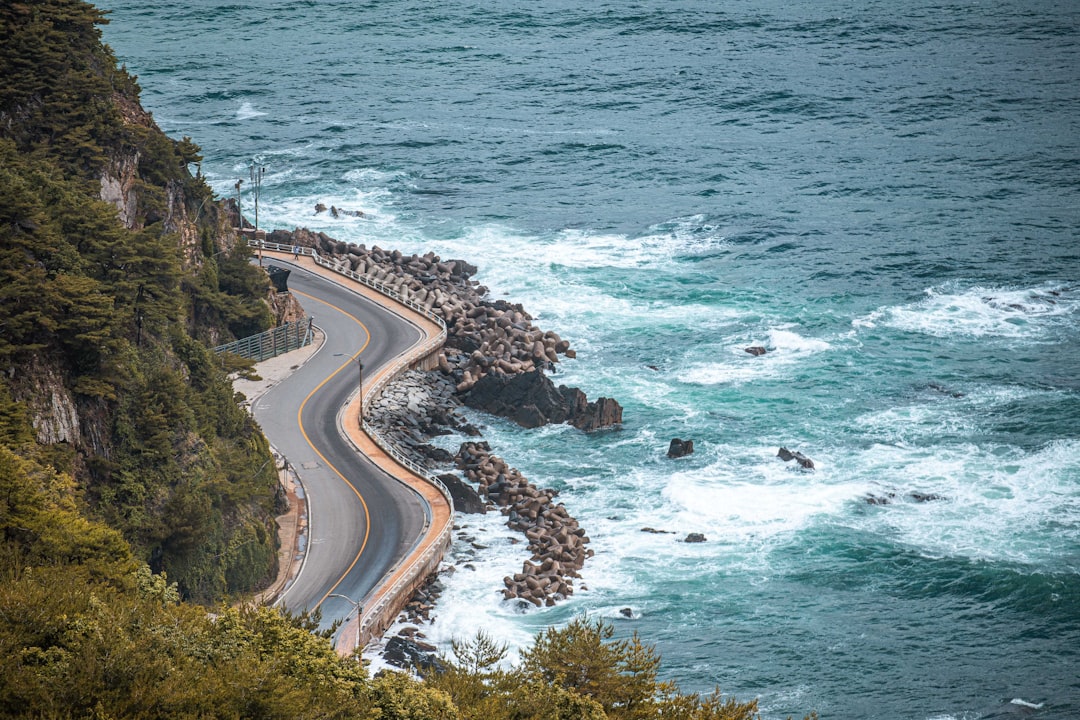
500 335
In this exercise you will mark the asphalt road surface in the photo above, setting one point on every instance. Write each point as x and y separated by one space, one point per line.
360 520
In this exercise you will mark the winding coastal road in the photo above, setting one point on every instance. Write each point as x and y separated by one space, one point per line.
361 520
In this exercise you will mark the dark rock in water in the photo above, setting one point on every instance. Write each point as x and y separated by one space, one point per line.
320 208
626 613
680 448
695 538
937 387
787 455
509 396
531 399
654 531
888 497
604 413
466 500
405 653
529 416
756 350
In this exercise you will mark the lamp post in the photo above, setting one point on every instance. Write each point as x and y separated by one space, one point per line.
257 172
360 367
239 211
359 610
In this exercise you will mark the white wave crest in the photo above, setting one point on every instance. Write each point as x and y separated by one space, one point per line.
977 312
246 111
785 349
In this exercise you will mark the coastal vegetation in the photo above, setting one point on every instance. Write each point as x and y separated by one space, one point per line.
136 496
108 308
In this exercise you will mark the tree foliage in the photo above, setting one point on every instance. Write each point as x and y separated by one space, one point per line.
578 672
122 314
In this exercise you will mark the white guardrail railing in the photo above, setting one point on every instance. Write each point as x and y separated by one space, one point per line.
419 565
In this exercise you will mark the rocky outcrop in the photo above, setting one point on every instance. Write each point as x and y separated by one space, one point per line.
787 455
888 497
118 187
285 307
466 500
53 409
531 400
680 448
409 653
756 350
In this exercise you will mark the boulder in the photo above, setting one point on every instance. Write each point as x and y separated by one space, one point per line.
695 538
466 500
756 350
803 461
531 399
604 413
680 448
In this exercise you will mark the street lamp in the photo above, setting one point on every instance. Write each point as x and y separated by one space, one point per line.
360 367
239 210
257 172
359 610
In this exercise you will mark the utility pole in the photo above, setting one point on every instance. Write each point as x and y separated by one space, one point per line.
257 172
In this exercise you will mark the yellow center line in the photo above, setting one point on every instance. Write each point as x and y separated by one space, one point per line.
300 422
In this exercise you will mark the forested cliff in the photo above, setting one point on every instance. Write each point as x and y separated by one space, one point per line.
117 270
136 496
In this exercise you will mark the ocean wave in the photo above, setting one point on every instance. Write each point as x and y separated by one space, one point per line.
785 349
246 111
979 312
996 503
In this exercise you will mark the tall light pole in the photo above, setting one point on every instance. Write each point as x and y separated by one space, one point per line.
359 610
239 212
257 172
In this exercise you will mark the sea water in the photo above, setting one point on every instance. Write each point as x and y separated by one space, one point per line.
884 195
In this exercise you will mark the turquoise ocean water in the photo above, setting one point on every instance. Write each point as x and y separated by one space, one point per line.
884 195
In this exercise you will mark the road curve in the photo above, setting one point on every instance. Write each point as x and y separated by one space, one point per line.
361 521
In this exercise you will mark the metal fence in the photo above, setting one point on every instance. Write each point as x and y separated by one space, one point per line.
280 340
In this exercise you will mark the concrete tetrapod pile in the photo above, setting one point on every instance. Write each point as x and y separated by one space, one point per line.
556 540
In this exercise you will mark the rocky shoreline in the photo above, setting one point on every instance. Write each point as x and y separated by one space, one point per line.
494 360
491 339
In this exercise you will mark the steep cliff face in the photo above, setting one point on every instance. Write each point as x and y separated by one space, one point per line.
118 187
53 410
118 268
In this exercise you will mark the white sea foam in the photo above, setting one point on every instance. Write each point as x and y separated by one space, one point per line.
997 503
755 498
246 111
979 312
786 349
931 418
